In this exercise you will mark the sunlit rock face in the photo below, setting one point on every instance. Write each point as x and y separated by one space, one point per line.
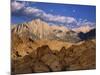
77 57
38 47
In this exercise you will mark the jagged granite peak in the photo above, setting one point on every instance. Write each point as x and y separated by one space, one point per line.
42 30
83 29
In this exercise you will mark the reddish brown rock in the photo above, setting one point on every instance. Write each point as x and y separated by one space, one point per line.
41 51
39 66
79 57
52 61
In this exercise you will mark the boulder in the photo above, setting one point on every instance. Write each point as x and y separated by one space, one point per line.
43 50
52 61
39 66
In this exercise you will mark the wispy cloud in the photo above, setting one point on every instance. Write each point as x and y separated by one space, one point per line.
33 11
16 6
22 9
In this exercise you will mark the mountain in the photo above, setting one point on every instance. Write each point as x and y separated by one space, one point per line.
89 35
83 29
37 46
27 37
85 32
38 29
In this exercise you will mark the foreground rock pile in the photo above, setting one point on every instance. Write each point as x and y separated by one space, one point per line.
43 59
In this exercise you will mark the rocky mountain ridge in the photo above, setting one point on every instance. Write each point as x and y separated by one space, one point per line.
38 29
39 47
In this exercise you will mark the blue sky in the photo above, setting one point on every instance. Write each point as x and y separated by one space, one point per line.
53 13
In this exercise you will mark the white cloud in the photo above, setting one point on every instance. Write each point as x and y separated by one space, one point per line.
33 11
40 13
58 18
51 17
71 19
15 6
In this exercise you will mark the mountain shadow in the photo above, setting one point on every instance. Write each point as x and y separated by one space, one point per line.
89 35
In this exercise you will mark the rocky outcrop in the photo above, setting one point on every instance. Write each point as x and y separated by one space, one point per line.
39 66
52 61
77 57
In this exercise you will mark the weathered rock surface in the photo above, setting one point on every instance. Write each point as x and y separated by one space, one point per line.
82 56
39 66
76 57
38 47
